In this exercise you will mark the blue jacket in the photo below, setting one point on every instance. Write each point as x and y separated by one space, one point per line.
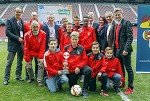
46 30
13 34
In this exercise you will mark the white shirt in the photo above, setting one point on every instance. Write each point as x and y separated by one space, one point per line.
108 30
52 33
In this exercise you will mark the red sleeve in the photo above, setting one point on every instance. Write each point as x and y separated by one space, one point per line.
47 65
26 48
120 70
83 60
103 69
42 46
62 43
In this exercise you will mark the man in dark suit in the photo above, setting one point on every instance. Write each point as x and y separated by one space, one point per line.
109 28
51 29
91 22
15 34
123 38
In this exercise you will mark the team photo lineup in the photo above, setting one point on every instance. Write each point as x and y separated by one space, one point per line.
90 52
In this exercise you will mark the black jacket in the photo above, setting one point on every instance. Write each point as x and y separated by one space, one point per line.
125 36
13 34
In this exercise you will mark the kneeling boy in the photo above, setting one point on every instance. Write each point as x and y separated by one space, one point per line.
53 66
97 63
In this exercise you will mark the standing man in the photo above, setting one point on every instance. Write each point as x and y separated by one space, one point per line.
15 34
109 28
34 47
77 63
51 30
123 38
87 35
34 17
91 21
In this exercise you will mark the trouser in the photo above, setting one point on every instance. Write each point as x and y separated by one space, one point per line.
86 71
103 80
59 79
116 80
10 59
36 68
126 61
40 71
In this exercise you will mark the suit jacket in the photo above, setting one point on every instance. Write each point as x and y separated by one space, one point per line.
101 37
46 30
125 36
13 34
95 26
110 34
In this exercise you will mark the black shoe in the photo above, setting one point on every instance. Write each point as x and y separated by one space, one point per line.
20 79
30 80
85 93
60 88
117 90
6 82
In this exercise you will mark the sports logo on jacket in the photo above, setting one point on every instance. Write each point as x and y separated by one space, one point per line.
78 52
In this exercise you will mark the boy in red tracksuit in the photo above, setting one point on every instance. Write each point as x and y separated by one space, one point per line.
114 70
62 28
96 61
77 63
87 35
65 37
34 46
53 66
77 23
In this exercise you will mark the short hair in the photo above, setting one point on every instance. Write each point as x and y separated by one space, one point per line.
33 23
108 48
76 17
52 39
51 15
64 19
33 13
108 12
69 23
90 14
75 33
85 17
19 8
117 10
95 43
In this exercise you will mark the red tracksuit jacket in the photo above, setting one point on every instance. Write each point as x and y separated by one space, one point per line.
87 36
114 66
77 57
34 46
65 40
97 63
27 26
75 28
61 30
53 62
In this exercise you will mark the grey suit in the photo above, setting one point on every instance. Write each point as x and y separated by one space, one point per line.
14 46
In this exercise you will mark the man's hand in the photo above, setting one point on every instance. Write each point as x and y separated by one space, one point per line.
20 40
99 74
59 72
125 53
77 70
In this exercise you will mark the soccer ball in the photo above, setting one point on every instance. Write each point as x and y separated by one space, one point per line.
76 90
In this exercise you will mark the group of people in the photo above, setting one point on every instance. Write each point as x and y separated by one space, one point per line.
98 51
